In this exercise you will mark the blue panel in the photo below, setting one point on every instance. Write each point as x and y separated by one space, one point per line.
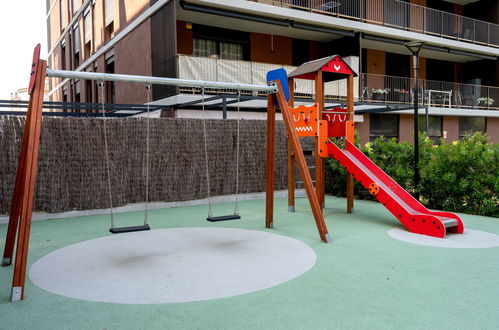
280 74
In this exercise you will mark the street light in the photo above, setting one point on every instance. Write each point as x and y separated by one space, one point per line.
414 47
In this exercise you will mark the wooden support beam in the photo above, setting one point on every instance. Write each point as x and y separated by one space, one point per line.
15 206
302 165
350 108
27 189
319 161
270 162
291 156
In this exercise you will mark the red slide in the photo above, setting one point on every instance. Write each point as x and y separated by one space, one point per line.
412 214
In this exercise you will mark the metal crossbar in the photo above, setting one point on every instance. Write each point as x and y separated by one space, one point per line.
158 80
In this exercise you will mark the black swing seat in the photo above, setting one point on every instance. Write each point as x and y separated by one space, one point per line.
120 230
224 218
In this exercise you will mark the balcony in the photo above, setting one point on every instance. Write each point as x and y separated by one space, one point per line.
401 15
246 72
390 89
368 88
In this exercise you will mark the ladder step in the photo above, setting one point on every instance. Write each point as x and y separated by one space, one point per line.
120 230
308 152
313 166
224 218
313 181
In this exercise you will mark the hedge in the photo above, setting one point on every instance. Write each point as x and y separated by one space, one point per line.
462 176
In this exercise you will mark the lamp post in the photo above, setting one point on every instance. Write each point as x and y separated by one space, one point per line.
414 47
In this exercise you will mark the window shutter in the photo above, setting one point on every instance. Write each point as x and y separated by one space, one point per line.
87 25
76 38
108 12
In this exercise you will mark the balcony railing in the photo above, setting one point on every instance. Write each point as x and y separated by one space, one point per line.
402 15
367 87
246 72
390 89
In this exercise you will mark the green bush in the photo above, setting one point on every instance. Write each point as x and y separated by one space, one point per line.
461 177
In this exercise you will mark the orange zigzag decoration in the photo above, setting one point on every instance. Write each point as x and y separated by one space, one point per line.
305 120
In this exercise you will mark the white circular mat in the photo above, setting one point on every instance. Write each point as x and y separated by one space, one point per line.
172 265
469 240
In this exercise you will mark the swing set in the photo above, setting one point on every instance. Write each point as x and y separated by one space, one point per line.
22 202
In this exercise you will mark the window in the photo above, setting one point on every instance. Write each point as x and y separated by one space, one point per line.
88 91
108 20
215 42
434 126
64 98
300 51
109 32
110 87
398 65
470 125
439 70
76 46
108 12
64 13
76 6
77 93
205 48
212 48
231 51
383 125
63 54
87 25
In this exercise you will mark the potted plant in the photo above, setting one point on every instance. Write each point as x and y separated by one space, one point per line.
485 101
379 94
403 95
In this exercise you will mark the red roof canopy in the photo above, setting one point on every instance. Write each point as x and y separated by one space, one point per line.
333 68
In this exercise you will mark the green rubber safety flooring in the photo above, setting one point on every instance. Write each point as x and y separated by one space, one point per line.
364 279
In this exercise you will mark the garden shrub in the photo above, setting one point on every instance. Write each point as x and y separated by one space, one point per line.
463 177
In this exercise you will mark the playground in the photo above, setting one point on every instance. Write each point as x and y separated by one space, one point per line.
256 262
364 279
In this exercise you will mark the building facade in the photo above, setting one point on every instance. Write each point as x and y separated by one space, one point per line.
239 41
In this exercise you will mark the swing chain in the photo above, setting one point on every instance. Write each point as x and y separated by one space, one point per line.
111 213
146 207
236 207
210 214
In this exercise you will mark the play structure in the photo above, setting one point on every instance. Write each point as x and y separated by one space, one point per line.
310 121
314 121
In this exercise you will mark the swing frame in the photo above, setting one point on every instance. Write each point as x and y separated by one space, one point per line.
22 201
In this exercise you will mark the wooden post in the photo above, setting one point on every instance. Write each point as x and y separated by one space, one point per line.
291 156
269 187
28 180
319 161
15 206
350 108
302 165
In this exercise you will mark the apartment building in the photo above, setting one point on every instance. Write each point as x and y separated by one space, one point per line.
239 41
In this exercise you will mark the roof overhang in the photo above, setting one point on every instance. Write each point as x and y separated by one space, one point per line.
429 51
332 67
461 51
